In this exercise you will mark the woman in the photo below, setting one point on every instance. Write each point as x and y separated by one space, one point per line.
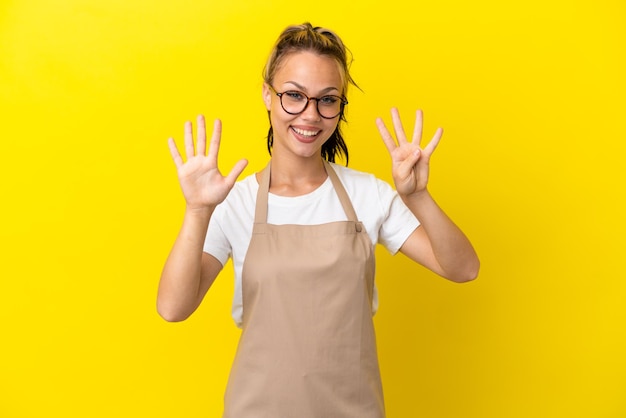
301 235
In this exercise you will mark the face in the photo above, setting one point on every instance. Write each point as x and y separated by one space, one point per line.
304 134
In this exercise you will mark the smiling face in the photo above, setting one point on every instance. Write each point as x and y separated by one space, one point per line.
302 135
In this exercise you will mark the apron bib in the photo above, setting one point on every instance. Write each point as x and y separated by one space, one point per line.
307 347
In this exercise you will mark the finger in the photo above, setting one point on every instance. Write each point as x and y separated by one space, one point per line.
189 140
397 126
390 143
432 145
231 178
405 168
201 142
214 146
178 160
417 130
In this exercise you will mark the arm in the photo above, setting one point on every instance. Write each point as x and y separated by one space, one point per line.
189 272
438 243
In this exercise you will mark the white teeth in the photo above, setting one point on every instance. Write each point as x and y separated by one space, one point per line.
305 133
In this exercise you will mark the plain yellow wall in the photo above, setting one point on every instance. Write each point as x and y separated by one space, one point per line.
531 97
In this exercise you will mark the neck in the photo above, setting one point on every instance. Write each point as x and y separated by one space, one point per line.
295 177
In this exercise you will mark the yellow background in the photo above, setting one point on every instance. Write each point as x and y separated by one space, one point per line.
531 97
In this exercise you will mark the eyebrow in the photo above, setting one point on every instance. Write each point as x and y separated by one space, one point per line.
301 87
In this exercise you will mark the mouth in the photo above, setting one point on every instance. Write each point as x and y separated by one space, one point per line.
305 135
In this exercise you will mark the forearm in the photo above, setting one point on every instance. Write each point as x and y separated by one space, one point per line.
179 288
452 249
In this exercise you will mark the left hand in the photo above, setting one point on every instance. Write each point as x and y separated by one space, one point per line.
410 162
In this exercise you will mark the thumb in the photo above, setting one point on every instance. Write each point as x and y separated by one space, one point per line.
406 166
231 178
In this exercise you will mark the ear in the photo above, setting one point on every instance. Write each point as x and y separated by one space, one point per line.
267 96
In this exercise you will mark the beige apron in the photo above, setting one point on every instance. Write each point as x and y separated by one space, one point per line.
307 348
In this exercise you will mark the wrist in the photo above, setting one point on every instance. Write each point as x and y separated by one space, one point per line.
199 213
416 197
420 204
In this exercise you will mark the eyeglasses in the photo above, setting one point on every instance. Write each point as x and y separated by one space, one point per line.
295 102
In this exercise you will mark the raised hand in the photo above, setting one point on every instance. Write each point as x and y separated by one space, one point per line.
410 162
203 185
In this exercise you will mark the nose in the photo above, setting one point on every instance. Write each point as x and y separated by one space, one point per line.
310 111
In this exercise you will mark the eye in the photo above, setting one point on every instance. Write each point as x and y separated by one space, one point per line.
329 100
294 95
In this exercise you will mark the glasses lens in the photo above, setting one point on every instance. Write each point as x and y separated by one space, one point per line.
294 102
329 106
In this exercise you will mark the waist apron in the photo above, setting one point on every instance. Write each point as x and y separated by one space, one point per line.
307 347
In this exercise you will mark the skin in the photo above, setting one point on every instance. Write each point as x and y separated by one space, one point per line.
438 244
297 168
189 272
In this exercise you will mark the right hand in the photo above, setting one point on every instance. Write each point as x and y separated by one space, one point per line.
204 187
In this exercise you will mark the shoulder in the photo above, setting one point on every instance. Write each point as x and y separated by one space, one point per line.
245 188
242 197
357 182
350 175
370 195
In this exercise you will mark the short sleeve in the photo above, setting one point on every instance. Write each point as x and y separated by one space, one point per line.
399 222
216 243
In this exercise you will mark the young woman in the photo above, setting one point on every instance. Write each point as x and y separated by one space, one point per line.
301 234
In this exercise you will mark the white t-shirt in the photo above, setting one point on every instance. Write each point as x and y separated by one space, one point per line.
385 217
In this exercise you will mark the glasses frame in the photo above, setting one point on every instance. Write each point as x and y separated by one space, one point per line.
343 100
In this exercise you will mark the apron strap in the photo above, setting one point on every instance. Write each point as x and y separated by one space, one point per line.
260 213
341 192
